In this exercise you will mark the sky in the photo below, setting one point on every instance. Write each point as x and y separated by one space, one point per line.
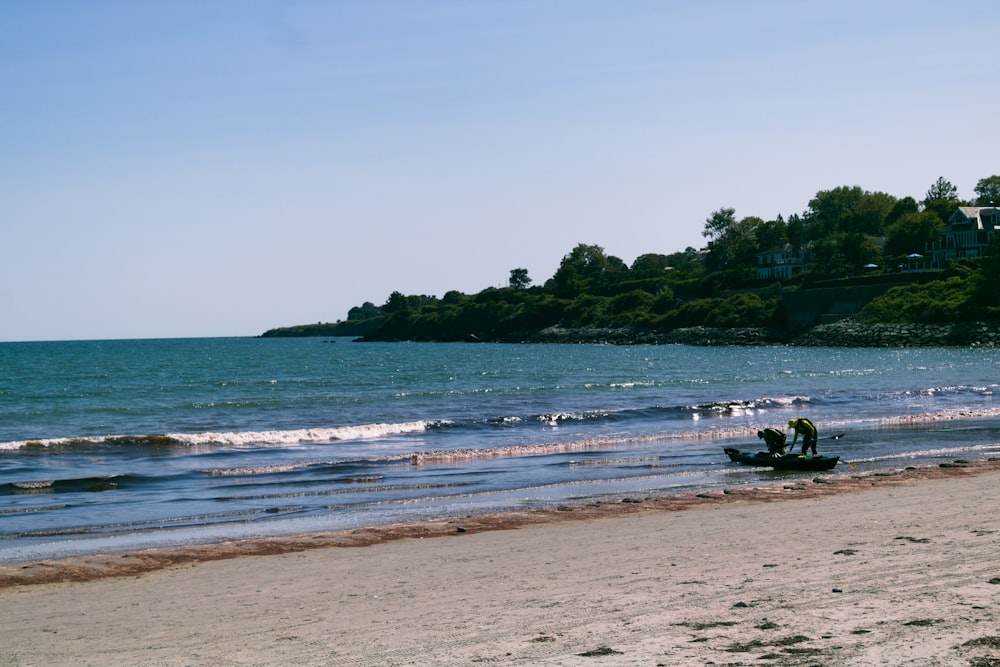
184 168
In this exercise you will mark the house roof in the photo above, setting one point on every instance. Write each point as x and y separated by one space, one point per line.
781 247
974 215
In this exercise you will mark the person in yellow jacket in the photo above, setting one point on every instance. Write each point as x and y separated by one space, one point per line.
808 431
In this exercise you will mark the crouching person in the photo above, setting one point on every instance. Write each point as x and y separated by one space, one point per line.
775 441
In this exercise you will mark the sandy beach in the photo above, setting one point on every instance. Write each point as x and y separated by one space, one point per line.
888 569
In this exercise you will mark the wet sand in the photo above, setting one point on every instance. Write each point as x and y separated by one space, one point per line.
882 569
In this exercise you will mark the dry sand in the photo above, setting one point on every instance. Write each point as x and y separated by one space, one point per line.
899 569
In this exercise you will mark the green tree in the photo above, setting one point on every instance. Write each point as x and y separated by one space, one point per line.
453 298
771 233
396 303
365 311
578 269
901 208
650 263
942 188
795 230
718 223
727 239
848 210
988 191
519 279
911 233
941 199
689 261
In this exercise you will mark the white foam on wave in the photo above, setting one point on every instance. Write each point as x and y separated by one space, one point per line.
45 442
940 452
236 438
298 436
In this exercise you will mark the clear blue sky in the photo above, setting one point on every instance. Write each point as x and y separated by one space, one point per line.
221 167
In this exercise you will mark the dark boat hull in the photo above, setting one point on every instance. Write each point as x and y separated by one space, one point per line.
786 462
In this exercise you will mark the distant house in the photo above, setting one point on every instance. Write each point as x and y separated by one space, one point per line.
968 231
780 262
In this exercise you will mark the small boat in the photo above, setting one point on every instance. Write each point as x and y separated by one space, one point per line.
786 462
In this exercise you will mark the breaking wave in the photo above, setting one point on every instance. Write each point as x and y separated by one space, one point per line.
230 439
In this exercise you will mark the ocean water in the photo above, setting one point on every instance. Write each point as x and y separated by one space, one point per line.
129 444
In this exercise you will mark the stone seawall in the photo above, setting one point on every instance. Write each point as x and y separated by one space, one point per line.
845 333
626 336
848 333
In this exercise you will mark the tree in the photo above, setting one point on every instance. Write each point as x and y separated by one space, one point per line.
452 298
719 222
365 311
941 189
689 259
911 233
771 233
847 209
988 191
519 279
737 246
586 260
901 208
650 263
941 199
396 303
578 268
796 231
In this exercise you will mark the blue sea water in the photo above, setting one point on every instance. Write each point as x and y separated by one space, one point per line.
127 444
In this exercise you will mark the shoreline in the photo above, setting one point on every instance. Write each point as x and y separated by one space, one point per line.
846 332
894 569
89 568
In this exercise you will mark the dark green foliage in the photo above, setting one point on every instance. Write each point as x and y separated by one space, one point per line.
911 232
988 191
847 210
519 279
843 230
938 301
738 310
941 198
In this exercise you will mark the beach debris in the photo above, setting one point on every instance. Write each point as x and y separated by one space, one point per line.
991 641
757 643
599 651
694 625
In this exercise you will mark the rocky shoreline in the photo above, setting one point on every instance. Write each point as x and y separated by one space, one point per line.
845 333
